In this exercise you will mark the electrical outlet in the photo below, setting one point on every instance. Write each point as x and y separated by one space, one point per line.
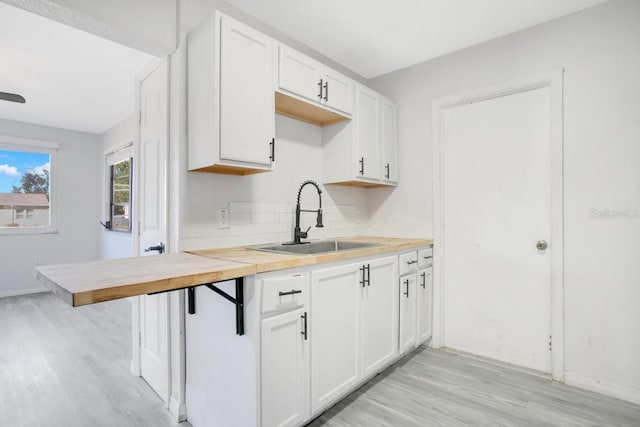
357 217
223 218
38 260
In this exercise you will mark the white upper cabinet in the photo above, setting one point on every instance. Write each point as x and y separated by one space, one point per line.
362 152
299 74
337 90
302 76
238 79
230 94
388 140
367 133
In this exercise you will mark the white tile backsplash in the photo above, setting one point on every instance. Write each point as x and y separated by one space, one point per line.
253 223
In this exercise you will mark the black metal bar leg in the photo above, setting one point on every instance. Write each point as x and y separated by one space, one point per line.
191 300
240 306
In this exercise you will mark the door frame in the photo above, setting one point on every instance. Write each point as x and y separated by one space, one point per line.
553 79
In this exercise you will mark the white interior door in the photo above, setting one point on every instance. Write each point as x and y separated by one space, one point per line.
152 214
496 206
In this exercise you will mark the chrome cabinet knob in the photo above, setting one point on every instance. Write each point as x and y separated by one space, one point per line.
541 245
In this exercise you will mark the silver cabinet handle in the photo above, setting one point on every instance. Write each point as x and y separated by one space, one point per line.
413 261
541 245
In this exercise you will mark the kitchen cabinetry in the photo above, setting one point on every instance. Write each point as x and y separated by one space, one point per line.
313 334
379 314
416 295
285 377
367 133
305 77
388 140
335 333
407 335
285 351
231 116
362 152
354 326
424 303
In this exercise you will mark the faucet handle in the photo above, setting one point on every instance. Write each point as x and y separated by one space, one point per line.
305 233
319 219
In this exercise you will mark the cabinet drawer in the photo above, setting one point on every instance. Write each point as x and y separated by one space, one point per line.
408 262
425 257
284 293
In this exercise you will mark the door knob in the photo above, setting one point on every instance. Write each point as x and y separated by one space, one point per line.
159 247
541 245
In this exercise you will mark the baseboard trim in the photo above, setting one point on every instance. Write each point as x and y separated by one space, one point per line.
177 410
24 291
613 390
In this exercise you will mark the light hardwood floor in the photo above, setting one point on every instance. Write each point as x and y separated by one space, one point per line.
63 366
67 367
440 388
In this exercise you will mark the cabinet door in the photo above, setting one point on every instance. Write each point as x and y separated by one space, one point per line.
424 305
299 74
337 90
334 317
366 135
407 312
285 375
246 94
388 140
379 314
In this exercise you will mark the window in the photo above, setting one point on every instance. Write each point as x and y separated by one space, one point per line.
26 186
120 218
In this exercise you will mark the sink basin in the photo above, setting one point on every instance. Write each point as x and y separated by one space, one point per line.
317 247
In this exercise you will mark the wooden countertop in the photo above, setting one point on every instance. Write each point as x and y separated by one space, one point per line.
97 281
269 261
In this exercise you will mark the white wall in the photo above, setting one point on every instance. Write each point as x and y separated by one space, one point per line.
599 49
77 184
115 244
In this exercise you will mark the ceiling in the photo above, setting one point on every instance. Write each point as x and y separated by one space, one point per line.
375 37
71 79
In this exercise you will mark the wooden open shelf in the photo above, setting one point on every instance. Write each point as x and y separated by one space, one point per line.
302 110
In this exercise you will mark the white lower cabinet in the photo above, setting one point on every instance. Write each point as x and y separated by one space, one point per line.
424 305
334 332
285 370
379 314
407 312
354 331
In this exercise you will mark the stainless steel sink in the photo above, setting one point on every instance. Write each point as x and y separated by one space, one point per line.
311 248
